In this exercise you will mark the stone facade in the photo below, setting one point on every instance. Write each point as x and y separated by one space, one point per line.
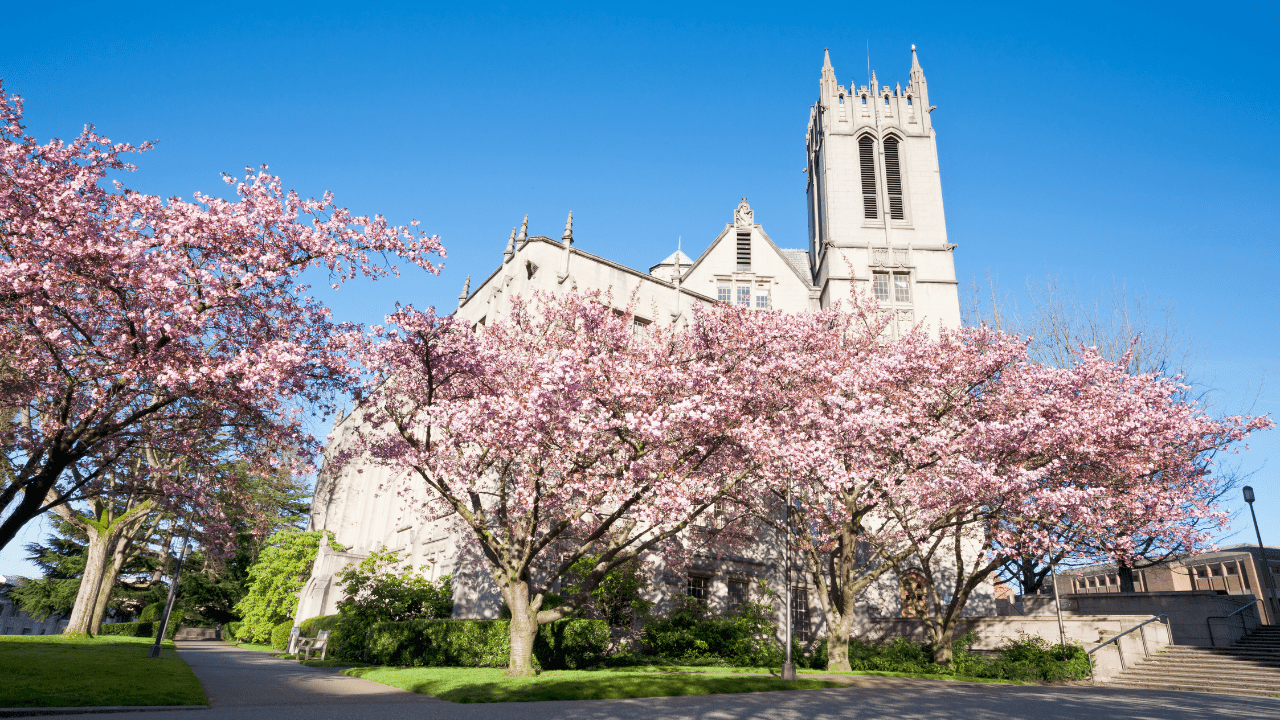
901 256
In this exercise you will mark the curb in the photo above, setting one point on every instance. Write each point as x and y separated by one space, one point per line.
33 711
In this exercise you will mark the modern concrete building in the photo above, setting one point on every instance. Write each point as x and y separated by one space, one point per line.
1237 570
876 223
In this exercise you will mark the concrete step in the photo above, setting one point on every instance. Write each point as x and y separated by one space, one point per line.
1198 687
1262 678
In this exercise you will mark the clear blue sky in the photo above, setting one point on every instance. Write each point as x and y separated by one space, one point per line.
1099 142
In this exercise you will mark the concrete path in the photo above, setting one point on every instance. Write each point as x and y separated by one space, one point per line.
248 685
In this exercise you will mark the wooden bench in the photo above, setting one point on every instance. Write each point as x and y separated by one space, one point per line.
319 643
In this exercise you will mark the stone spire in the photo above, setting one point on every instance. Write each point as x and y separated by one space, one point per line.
524 230
919 88
875 85
511 247
466 291
827 86
567 239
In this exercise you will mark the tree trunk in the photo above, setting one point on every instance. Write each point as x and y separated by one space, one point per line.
119 551
524 628
1126 579
838 634
95 567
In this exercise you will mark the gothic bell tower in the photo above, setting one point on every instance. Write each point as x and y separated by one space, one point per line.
875 200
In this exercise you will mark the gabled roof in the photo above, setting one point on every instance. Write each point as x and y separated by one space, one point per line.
799 265
672 259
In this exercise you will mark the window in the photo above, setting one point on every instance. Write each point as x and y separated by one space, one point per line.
867 165
880 283
886 101
724 292
913 594
697 588
893 178
800 614
744 295
744 252
908 100
762 298
530 268
901 288
737 594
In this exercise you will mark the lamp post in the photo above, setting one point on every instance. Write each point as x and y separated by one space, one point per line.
1266 565
788 667
173 591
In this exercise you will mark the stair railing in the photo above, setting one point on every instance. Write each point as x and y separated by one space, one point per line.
1146 652
1243 628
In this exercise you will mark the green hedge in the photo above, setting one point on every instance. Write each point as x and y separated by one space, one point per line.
280 635
563 644
136 629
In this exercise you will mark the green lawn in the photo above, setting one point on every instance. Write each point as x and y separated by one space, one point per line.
923 676
489 685
256 646
48 671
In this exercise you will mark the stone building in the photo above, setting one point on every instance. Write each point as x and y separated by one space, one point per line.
876 223
16 621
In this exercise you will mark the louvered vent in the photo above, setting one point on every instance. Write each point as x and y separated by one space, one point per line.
893 178
867 161
744 252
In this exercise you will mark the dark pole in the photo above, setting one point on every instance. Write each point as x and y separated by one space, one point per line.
788 667
173 592
1266 565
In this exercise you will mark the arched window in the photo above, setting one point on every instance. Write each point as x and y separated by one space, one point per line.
886 100
914 596
867 163
893 178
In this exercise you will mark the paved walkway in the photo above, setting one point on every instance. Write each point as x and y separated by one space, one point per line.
248 685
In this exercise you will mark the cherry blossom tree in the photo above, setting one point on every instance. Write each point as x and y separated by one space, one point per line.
949 455
562 432
128 320
1065 460
876 431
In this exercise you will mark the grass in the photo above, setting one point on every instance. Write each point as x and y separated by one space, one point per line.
256 646
466 685
922 676
49 671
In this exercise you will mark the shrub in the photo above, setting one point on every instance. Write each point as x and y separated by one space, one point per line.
1027 658
436 643
571 644
136 629
280 635
564 644
378 592
617 598
689 635
232 630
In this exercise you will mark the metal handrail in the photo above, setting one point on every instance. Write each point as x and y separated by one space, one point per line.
1247 605
1146 653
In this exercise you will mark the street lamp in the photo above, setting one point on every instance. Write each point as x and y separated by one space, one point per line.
1266 565
173 592
788 667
